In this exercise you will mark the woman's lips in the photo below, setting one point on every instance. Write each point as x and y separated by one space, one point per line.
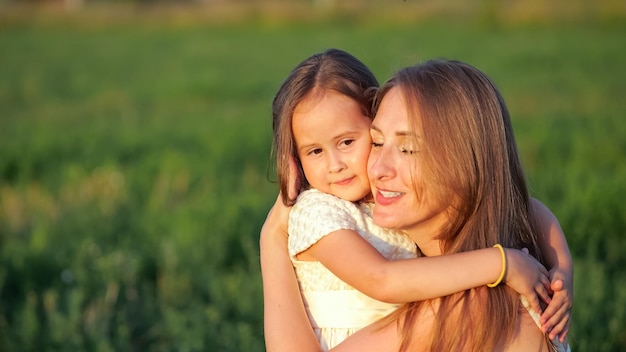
387 197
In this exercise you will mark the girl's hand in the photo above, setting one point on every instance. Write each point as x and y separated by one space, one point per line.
556 318
527 277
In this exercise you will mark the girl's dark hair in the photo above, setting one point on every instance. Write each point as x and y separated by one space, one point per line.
332 69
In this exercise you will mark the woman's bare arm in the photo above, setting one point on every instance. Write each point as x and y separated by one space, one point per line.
287 327
556 317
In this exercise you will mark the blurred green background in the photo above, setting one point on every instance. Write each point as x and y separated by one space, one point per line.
135 138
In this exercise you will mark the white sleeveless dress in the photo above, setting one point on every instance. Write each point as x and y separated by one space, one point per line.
337 310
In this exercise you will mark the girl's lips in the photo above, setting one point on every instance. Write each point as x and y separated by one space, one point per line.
345 181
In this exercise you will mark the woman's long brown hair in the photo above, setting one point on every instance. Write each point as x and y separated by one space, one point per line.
468 154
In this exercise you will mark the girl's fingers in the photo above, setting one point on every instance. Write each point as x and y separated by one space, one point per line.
557 285
563 335
544 291
556 322
560 329
544 271
550 315
533 301
543 294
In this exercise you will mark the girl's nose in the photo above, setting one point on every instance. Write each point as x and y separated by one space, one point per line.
335 162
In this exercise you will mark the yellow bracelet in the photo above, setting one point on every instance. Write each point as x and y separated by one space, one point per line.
503 255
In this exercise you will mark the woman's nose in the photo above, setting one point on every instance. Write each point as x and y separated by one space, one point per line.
379 164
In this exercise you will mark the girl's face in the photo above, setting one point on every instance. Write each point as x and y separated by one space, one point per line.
333 143
395 171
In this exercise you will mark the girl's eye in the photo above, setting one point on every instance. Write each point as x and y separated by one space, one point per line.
376 145
315 151
347 141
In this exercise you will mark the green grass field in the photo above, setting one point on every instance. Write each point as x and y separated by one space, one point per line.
134 160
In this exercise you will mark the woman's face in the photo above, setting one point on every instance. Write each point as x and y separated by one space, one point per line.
402 199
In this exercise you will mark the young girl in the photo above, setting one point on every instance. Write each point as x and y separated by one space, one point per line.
350 271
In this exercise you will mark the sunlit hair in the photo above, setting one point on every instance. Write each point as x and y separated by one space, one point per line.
332 69
469 157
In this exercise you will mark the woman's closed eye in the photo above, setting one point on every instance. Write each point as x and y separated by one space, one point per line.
408 151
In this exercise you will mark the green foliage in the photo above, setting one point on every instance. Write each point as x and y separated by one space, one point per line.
134 169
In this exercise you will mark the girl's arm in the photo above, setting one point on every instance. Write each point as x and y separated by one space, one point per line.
286 324
358 263
556 317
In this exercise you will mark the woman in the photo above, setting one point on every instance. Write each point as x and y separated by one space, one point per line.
444 168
